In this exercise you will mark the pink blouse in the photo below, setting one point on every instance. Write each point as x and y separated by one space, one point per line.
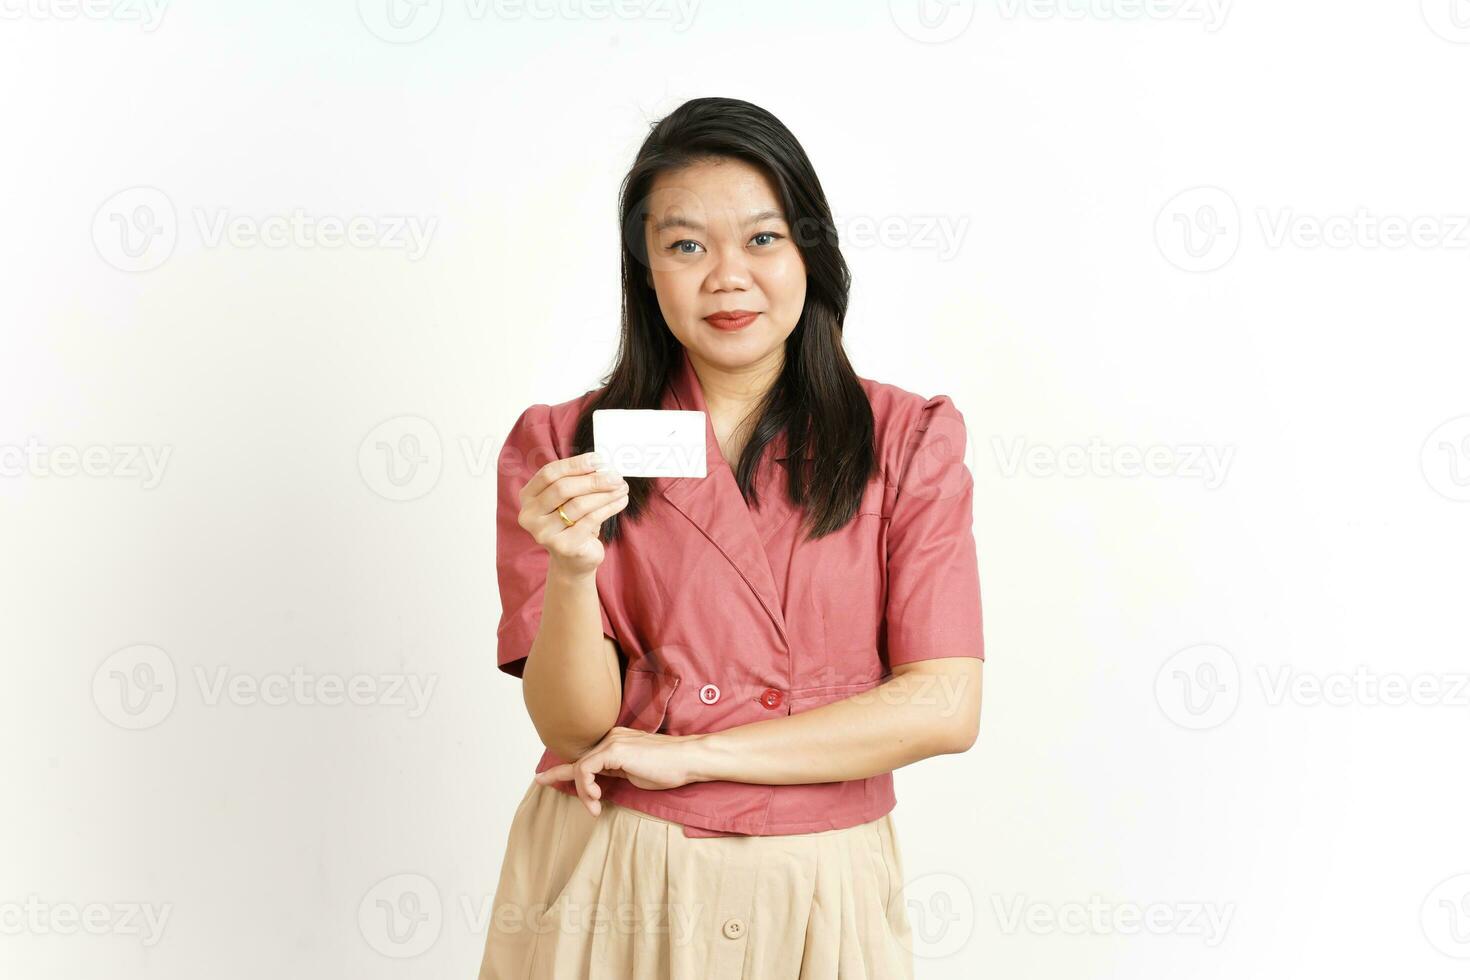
728 616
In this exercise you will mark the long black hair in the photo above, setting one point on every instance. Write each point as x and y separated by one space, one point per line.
817 400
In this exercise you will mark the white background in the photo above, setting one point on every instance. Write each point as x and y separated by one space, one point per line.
1153 748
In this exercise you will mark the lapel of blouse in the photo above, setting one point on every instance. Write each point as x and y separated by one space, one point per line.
715 505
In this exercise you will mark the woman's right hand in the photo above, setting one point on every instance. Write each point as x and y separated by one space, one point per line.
587 495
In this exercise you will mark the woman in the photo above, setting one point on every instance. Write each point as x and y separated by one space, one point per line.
776 637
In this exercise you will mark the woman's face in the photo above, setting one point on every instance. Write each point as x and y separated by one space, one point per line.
718 242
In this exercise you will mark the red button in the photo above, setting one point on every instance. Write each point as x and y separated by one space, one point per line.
771 698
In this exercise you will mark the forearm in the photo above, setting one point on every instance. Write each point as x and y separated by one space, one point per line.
910 717
571 682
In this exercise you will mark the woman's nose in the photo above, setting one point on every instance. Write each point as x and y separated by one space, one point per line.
731 270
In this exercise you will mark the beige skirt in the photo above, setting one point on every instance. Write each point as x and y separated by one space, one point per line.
626 895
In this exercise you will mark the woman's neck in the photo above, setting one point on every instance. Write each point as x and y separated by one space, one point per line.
731 398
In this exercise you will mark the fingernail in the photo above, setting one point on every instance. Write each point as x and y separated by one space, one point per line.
594 459
609 478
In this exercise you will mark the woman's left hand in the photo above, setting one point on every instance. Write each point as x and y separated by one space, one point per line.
647 760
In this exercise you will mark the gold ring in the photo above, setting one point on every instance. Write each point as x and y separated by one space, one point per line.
564 518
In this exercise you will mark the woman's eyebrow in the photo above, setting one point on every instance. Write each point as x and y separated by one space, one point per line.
679 221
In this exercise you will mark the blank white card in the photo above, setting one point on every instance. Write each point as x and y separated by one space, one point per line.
650 441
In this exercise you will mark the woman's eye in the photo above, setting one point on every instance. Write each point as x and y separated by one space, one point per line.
695 247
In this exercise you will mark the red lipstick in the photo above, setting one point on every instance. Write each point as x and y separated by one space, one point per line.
731 320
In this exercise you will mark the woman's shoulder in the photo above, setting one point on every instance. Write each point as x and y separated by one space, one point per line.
890 399
551 422
900 419
899 410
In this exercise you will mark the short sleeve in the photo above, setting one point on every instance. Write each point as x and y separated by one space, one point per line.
933 605
520 562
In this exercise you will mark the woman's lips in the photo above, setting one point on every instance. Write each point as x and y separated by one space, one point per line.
731 321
